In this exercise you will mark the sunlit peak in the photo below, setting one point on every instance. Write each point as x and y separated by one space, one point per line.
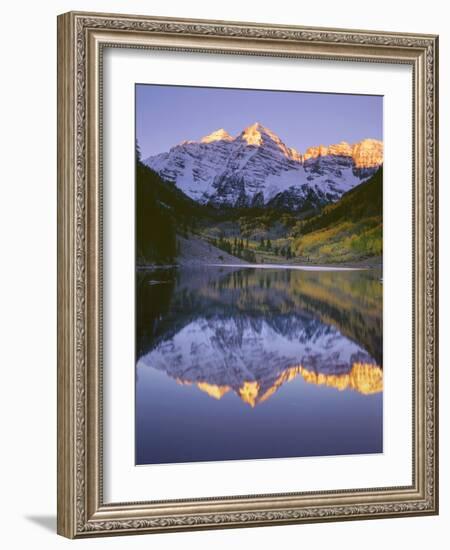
218 135
252 134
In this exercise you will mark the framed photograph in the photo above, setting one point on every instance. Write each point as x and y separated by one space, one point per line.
247 274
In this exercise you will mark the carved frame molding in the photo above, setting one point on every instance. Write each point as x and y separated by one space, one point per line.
81 39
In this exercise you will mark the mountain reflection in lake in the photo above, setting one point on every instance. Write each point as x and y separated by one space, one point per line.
245 363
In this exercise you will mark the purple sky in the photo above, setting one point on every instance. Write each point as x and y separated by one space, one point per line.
167 115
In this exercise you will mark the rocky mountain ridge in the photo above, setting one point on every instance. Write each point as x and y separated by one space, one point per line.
257 169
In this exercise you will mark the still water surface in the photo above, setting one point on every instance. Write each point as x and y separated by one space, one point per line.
245 363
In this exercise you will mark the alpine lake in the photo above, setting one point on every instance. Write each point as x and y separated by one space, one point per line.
248 362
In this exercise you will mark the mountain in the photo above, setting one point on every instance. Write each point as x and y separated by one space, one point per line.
349 230
256 169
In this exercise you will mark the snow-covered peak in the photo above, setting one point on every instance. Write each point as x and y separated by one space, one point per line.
253 134
218 135
256 134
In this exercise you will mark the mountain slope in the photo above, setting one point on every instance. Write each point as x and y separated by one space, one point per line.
162 211
256 169
349 230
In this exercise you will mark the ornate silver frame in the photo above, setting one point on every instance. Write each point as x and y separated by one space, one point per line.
81 38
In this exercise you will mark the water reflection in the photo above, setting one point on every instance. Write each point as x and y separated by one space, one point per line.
243 335
365 378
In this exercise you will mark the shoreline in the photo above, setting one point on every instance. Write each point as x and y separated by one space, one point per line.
197 253
361 265
291 266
